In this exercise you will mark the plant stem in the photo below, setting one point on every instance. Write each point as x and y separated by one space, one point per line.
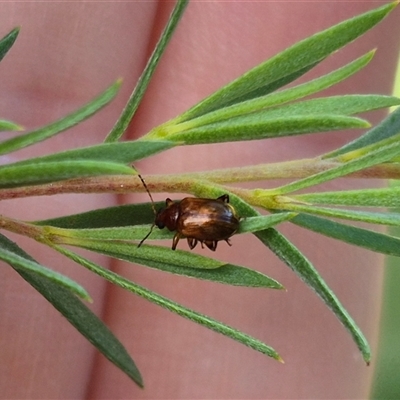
22 228
183 183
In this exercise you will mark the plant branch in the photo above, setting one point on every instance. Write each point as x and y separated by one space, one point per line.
123 184
22 228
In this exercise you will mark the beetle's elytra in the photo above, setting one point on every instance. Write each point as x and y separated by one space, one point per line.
199 220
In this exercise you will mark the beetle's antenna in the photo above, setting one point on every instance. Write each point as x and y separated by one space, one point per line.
151 230
152 206
148 192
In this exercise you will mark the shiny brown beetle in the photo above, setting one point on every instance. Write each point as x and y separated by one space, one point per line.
198 220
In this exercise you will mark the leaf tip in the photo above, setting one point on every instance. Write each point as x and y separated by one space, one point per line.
280 359
89 299
137 378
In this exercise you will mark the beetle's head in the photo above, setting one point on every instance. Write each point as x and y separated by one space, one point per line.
167 216
160 218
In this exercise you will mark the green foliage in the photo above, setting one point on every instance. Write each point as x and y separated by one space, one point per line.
63 124
62 298
251 107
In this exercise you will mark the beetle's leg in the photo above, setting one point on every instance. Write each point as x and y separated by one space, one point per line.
192 242
211 244
224 198
175 240
227 241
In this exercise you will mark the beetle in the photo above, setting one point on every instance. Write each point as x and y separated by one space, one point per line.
199 220
207 221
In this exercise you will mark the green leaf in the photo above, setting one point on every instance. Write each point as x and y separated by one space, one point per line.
254 224
7 41
382 197
377 242
9 126
257 126
126 233
388 128
144 80
125 215
18 262
177 262
137 232
299 56
376 155
272 99
383 218
271 87
336 105
36 174
298 263
62 124
84 320
176 308
329 106
124 153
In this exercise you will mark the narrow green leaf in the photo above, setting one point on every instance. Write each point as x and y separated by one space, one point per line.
377 242
334 105
123 152
176 308
383 218
36 174
337 105
381 197
18 262
178 262
272 86
144 80
389 127
62 124
295 58
273 99
297 262
375 156
146 254
137 232
254 224
125 215
77 314
9 126
126 233
256 126
7 41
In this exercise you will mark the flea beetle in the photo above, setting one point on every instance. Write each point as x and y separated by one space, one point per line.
198 220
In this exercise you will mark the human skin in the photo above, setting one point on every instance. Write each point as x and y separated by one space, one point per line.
69 52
